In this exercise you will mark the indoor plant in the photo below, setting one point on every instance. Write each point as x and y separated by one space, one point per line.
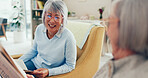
18 18
69 14
18 22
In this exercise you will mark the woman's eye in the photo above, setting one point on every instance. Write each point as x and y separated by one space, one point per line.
49 16
56 17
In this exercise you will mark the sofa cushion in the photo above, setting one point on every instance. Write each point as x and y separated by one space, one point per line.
80 30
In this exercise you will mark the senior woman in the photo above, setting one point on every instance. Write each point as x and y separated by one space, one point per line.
128 34
54 48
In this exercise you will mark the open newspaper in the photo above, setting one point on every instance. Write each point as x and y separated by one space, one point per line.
8 67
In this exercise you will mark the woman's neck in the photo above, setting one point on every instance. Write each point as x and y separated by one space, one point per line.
49 35
121 53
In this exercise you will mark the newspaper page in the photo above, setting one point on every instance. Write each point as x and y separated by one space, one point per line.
8 61
20 69
21 64
7 70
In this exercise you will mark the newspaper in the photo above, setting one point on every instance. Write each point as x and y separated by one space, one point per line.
8 67
21 64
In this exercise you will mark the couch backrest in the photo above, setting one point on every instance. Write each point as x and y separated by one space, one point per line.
93 40
89 39
80 30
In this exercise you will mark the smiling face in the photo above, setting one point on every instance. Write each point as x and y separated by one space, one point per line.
53 21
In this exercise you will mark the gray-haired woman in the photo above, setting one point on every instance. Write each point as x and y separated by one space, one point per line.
128 33
54 49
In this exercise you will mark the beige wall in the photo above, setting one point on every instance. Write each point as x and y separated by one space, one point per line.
90 7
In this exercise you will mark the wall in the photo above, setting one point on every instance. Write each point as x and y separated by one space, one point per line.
88 7
5 8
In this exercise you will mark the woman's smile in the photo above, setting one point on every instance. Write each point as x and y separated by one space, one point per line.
51 26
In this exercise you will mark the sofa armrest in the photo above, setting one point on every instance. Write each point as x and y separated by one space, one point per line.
16 56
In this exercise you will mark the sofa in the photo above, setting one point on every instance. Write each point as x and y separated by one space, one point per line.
88 58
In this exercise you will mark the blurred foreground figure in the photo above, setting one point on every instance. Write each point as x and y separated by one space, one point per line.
128 34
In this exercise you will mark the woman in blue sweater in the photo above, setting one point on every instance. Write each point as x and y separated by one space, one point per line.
54 48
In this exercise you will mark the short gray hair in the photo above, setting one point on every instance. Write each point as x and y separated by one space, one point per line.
56 5
133 25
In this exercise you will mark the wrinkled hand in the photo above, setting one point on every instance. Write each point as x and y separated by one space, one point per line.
41 72
29 76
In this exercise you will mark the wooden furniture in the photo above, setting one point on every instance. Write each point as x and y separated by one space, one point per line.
3 31
3 26
36 13
16 56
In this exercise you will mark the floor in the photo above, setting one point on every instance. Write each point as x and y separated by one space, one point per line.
15 48
21 48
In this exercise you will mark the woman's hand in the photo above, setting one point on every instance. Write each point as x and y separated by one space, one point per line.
41 72
30 76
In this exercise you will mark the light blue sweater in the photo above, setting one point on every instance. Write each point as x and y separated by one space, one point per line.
58 54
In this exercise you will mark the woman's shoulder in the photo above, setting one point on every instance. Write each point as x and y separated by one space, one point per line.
142 65
137 66
140 71
40 26
68 33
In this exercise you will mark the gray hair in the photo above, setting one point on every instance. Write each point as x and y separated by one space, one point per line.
55 5
133 25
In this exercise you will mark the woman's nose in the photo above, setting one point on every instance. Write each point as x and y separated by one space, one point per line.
52 20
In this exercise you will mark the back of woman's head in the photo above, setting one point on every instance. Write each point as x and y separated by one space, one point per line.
133 25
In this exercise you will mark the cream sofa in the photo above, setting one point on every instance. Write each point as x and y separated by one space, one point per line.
88 58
